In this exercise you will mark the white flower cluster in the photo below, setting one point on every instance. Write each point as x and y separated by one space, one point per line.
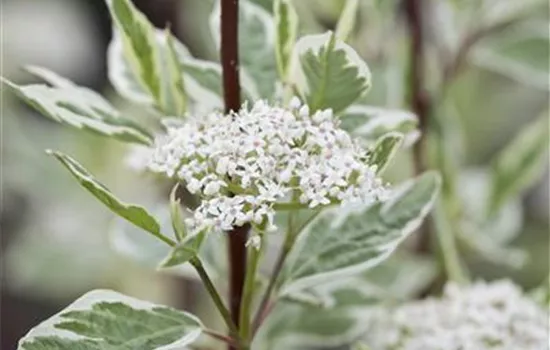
484 316
241 164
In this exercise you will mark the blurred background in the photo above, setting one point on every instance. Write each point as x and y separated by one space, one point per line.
56 239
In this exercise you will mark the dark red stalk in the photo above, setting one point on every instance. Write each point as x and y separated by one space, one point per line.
230 54
232 98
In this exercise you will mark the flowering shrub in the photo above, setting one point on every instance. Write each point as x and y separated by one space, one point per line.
274 149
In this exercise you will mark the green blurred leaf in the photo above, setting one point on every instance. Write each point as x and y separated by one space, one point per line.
335 321
517 70
403 276
495 12
369 123
135 214
384 149
104 319
347 19
520 52
488 235
286 23
520 164
141 53
256 44
348 241
78 107
328 73
360 346
176 96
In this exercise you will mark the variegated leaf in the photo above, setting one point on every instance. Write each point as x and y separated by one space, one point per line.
384 149
347 241
347 19
286 23
328 73
133 213
78 107
104 319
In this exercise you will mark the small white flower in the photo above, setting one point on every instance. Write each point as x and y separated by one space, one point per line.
295 103
254 241
212 188
260 151
193 186
304 111
222 166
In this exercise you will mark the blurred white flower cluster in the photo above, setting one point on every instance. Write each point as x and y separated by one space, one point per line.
483 316
241 164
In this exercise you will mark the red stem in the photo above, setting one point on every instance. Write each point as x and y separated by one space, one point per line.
232 92
230 54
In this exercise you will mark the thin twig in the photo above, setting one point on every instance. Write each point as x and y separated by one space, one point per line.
248 292
221 337
216 298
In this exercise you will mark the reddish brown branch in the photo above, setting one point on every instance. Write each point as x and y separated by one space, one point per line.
232 98
230 54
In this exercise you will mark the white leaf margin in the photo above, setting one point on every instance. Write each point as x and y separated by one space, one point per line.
340 215
387 118
315 43
117 67
85 302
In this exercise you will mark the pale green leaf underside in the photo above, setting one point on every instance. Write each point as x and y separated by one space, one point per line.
140 48
256 44
171 98
106 320
403 276
331 319
286 23
347 241
370 123
133 213
384 150
328 73
521 163
78 107
347 19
